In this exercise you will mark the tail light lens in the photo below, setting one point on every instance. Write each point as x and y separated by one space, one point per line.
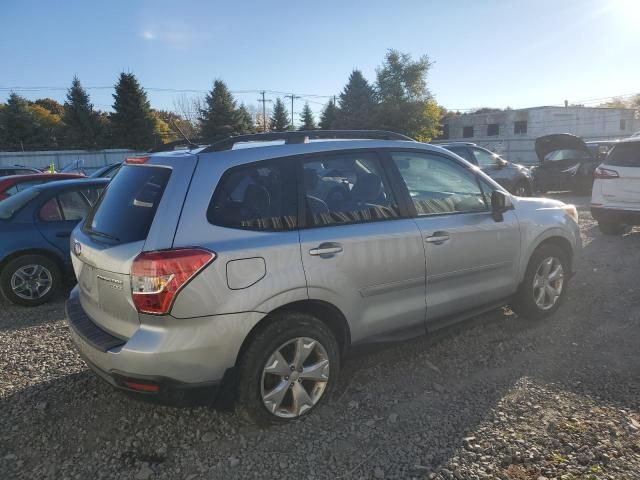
157 277
605 173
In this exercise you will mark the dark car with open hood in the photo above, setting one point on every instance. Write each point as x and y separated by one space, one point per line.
565 163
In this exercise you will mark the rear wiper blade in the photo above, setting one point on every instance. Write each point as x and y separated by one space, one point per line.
102 234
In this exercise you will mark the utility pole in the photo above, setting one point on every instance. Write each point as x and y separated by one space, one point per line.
264 110
292 97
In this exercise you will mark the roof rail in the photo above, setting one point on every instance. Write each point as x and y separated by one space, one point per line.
167 147
303 136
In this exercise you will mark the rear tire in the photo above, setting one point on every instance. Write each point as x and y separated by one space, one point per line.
614 228
30 280
261 377
528 301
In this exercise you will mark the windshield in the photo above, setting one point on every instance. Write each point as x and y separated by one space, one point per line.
625 155
11 206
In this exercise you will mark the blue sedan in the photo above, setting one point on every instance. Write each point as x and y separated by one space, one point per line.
35 226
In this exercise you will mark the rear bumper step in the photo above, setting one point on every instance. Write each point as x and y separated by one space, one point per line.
87 330
603 214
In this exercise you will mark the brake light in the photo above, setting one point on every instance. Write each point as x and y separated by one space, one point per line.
137 160
605 173
157 277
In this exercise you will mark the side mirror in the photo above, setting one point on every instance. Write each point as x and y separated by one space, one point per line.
500 203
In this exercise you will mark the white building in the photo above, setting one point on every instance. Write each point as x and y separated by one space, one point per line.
512 133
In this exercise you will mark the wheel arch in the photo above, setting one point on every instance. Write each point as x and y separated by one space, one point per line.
558 240
35 251
327 313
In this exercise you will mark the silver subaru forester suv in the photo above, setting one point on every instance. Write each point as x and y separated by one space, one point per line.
245 269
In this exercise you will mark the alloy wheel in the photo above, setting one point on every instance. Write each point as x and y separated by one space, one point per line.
294 377
31 282
548 283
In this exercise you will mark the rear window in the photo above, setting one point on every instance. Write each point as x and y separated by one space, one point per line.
125 211
625 155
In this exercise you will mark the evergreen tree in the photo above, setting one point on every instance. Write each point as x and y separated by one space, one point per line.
279 117
357 104
24 126
81 123
132 122
308 122
328 117
245 120
219 117
406 105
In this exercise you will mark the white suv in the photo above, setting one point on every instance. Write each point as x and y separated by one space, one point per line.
615 199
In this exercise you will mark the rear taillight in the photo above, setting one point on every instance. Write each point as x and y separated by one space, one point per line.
605 173
157 277
137 160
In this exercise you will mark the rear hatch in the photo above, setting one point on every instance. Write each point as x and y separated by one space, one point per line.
137 212
624 190
572 145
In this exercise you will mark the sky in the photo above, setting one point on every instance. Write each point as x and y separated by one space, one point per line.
493 53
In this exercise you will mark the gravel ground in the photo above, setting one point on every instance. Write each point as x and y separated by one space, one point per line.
496 397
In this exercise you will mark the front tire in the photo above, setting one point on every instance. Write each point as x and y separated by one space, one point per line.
613 228
30 280
289 367
545 283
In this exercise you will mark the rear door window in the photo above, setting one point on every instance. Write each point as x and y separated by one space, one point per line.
625 155
349 188
260 196
74 206
125 212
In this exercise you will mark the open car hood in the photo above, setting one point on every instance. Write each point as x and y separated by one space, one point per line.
558 141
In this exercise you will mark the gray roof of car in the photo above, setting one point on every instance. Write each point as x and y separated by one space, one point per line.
244 154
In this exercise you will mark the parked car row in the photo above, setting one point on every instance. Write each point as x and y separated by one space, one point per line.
37 213
217 271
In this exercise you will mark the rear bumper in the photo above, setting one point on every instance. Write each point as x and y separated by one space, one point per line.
615 215
180 362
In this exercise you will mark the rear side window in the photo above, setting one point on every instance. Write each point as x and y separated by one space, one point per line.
260 196
125 212
625 155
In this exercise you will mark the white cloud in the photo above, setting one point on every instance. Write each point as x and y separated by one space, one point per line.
148 35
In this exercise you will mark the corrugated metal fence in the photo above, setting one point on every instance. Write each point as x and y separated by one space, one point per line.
61 158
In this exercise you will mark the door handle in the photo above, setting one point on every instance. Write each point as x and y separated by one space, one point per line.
63 234
326 249
438 238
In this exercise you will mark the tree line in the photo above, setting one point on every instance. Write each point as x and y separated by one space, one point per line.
398 100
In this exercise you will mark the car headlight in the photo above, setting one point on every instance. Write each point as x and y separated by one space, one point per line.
572 211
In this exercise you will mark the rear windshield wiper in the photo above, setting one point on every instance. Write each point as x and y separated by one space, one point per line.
97 233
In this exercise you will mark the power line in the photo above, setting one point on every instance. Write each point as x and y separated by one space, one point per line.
292 97
264 110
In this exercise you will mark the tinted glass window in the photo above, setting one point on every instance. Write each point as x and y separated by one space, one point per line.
349 188
467 132
438 185
74 206
485 158
493 129
463 152
567 154
50 211
125 211
261 196
625 155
